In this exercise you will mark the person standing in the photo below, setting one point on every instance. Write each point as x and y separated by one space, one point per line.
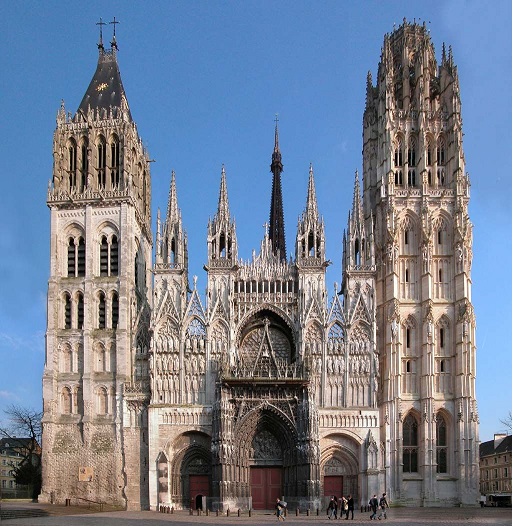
373 503
350 507
383 505
332 508
279 509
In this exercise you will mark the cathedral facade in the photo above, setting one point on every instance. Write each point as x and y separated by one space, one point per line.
273 385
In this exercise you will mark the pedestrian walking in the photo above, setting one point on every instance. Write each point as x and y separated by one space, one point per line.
383 505
350 507
332 508
280 507
373 503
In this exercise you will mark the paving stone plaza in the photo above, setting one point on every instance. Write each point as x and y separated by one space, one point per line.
57 516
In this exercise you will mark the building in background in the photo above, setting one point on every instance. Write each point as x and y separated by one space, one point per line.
273 385
495 470
13 453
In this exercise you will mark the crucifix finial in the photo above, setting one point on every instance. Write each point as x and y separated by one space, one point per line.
114 22
101 23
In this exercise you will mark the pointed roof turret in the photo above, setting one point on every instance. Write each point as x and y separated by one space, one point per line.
173 213
276 223
357 212
311 200
223 209
105 91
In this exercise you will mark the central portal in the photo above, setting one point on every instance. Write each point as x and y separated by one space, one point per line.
266 486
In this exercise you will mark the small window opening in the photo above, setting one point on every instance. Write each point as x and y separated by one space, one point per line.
115 311
81 257
442 337
407 338
101 311
104 257
114 256
67 311
80 311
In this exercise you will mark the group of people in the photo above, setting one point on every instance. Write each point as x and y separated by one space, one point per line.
382 505
346 506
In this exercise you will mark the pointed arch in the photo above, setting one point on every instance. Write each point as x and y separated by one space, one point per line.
411 441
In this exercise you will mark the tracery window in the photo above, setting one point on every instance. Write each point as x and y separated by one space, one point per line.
101 162
410 444
72 163
441 444
114 160
84 162
109 254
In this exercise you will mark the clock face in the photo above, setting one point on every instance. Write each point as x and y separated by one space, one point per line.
101 87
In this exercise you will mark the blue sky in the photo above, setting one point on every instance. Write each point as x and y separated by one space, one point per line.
204 81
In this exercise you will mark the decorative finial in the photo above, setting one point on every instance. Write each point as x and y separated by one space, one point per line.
114 43
276 145
101 23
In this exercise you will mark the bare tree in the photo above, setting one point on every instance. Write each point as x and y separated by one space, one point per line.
22 431
507 422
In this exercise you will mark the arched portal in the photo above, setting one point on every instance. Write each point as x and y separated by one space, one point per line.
191 471
339 472
266 446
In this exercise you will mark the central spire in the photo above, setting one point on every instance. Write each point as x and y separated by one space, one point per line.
276 226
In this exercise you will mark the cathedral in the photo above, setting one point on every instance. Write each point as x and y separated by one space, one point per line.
272 386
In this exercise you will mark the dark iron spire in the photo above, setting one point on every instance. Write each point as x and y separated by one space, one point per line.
276 225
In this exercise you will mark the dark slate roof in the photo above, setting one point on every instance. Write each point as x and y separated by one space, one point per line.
487 448
105 89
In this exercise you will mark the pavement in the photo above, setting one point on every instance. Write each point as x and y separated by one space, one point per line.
76 516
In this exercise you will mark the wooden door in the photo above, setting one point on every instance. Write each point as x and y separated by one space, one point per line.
333 485
266 487
198 485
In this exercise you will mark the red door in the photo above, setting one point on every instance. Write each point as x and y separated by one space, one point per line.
198 486
333 486
265 487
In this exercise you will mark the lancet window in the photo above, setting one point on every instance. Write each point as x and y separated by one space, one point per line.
441 444
109 256
72 164
410 444
101 160
114 162
76 257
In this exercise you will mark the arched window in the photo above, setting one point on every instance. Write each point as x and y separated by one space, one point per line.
101 310
80 249
67 359
66 407
115 310
441 444
72 164
440 160
80 311
103 401
410 444
114 256
101 162
109 256
398 153
67 311
114 162
104 257
412 162
84 162
72 258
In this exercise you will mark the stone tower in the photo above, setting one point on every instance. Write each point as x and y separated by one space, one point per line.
95 383
416 194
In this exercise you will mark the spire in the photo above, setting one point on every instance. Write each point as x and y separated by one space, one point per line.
311 200
172 204
357 212
223 210
105 92
276 224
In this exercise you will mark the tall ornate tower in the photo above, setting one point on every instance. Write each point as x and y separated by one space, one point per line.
416 192
95 386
